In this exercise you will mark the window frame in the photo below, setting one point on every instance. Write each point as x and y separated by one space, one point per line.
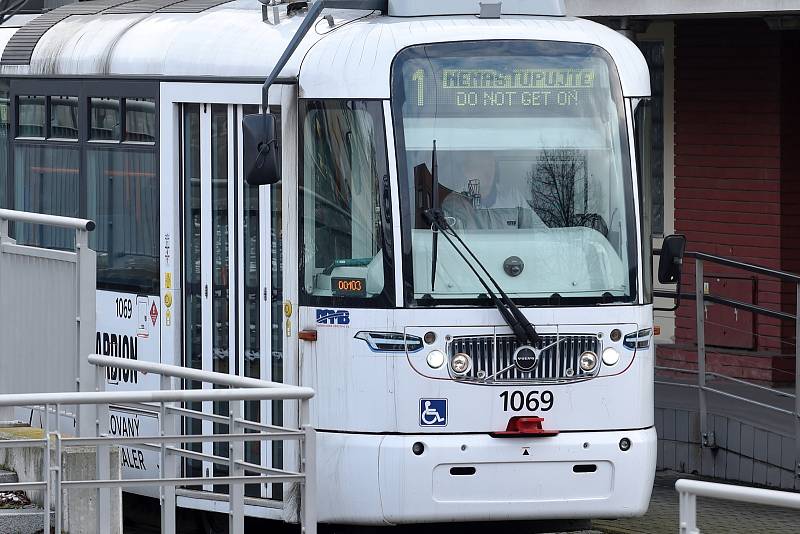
84 90
386 299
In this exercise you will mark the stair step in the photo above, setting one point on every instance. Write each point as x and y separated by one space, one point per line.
29 520
8 477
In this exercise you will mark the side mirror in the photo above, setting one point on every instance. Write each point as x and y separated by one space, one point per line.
669 268
261 157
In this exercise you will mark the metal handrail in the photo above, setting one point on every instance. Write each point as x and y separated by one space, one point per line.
49 220
729 262
708 438
170 441
689 490
163 369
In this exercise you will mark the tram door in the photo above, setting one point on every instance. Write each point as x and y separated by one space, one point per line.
232 288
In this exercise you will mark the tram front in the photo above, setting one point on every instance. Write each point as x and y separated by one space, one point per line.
475 299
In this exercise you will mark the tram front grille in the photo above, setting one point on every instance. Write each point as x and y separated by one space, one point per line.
493 358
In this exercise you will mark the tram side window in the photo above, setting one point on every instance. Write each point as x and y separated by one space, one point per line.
4 141
122 198
47 180
140 120
92 157
31 116
344 163
64 117
105 119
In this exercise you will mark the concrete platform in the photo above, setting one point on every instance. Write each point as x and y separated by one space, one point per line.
23 520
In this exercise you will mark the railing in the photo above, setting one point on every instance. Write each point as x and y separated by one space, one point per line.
689 490
47 290
170 442
701 298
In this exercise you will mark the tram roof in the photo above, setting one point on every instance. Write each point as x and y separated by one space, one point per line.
230 40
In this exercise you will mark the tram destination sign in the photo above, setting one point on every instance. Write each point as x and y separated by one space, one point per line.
433 90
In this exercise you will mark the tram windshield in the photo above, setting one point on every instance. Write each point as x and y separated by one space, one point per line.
532 170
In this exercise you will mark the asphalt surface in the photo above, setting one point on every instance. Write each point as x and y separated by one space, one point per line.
713 517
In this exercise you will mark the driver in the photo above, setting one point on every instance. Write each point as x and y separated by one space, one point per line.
484 202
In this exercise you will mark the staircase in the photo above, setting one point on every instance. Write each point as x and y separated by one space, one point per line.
715 416
18 519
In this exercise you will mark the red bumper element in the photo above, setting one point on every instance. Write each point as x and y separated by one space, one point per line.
529 427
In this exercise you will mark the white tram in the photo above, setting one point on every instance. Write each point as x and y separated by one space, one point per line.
456 258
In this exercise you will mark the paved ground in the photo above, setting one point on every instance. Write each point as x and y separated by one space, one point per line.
713 516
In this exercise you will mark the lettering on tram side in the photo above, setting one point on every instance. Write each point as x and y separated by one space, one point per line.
135 462
126 329
119 425
119 346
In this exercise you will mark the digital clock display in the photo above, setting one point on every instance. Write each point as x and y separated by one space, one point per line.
349 287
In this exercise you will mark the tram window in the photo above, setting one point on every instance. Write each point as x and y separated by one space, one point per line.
344 163
5 114
122 198
64 117
105 119
47 180
31 116
140 120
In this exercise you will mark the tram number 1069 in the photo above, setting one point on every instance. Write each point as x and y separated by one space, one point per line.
516 401
124 308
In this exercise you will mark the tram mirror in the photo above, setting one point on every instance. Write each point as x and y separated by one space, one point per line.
669 268
261 160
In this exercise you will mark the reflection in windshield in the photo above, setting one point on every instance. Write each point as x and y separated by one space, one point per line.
538 173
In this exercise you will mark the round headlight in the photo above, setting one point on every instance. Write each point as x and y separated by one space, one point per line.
435 359
610 356
460 363
588 361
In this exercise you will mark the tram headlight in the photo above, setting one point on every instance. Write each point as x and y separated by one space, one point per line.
435 359
460 363
610 356
588 361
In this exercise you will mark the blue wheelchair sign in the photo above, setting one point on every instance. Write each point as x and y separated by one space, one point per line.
433 412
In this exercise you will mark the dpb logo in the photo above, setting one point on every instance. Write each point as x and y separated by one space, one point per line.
333 317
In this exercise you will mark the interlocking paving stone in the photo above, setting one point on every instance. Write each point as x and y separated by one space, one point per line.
713 516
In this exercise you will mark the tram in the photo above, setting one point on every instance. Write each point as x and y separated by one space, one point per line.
436 214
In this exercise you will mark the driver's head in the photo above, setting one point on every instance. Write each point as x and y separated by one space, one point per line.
480 165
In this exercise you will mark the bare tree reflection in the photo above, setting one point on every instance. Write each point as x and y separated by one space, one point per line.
560 190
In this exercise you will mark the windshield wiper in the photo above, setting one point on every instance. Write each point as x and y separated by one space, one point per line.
523 330
435 206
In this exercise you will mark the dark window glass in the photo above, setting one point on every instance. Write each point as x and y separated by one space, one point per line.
5 115
64 117
654 54
140 120
105 119
47 180
343 168
643 131
193 335
122 198
31 116
531 160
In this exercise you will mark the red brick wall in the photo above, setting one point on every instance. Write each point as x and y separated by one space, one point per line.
731 194
790 175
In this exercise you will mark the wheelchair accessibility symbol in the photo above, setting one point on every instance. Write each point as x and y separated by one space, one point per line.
433 412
